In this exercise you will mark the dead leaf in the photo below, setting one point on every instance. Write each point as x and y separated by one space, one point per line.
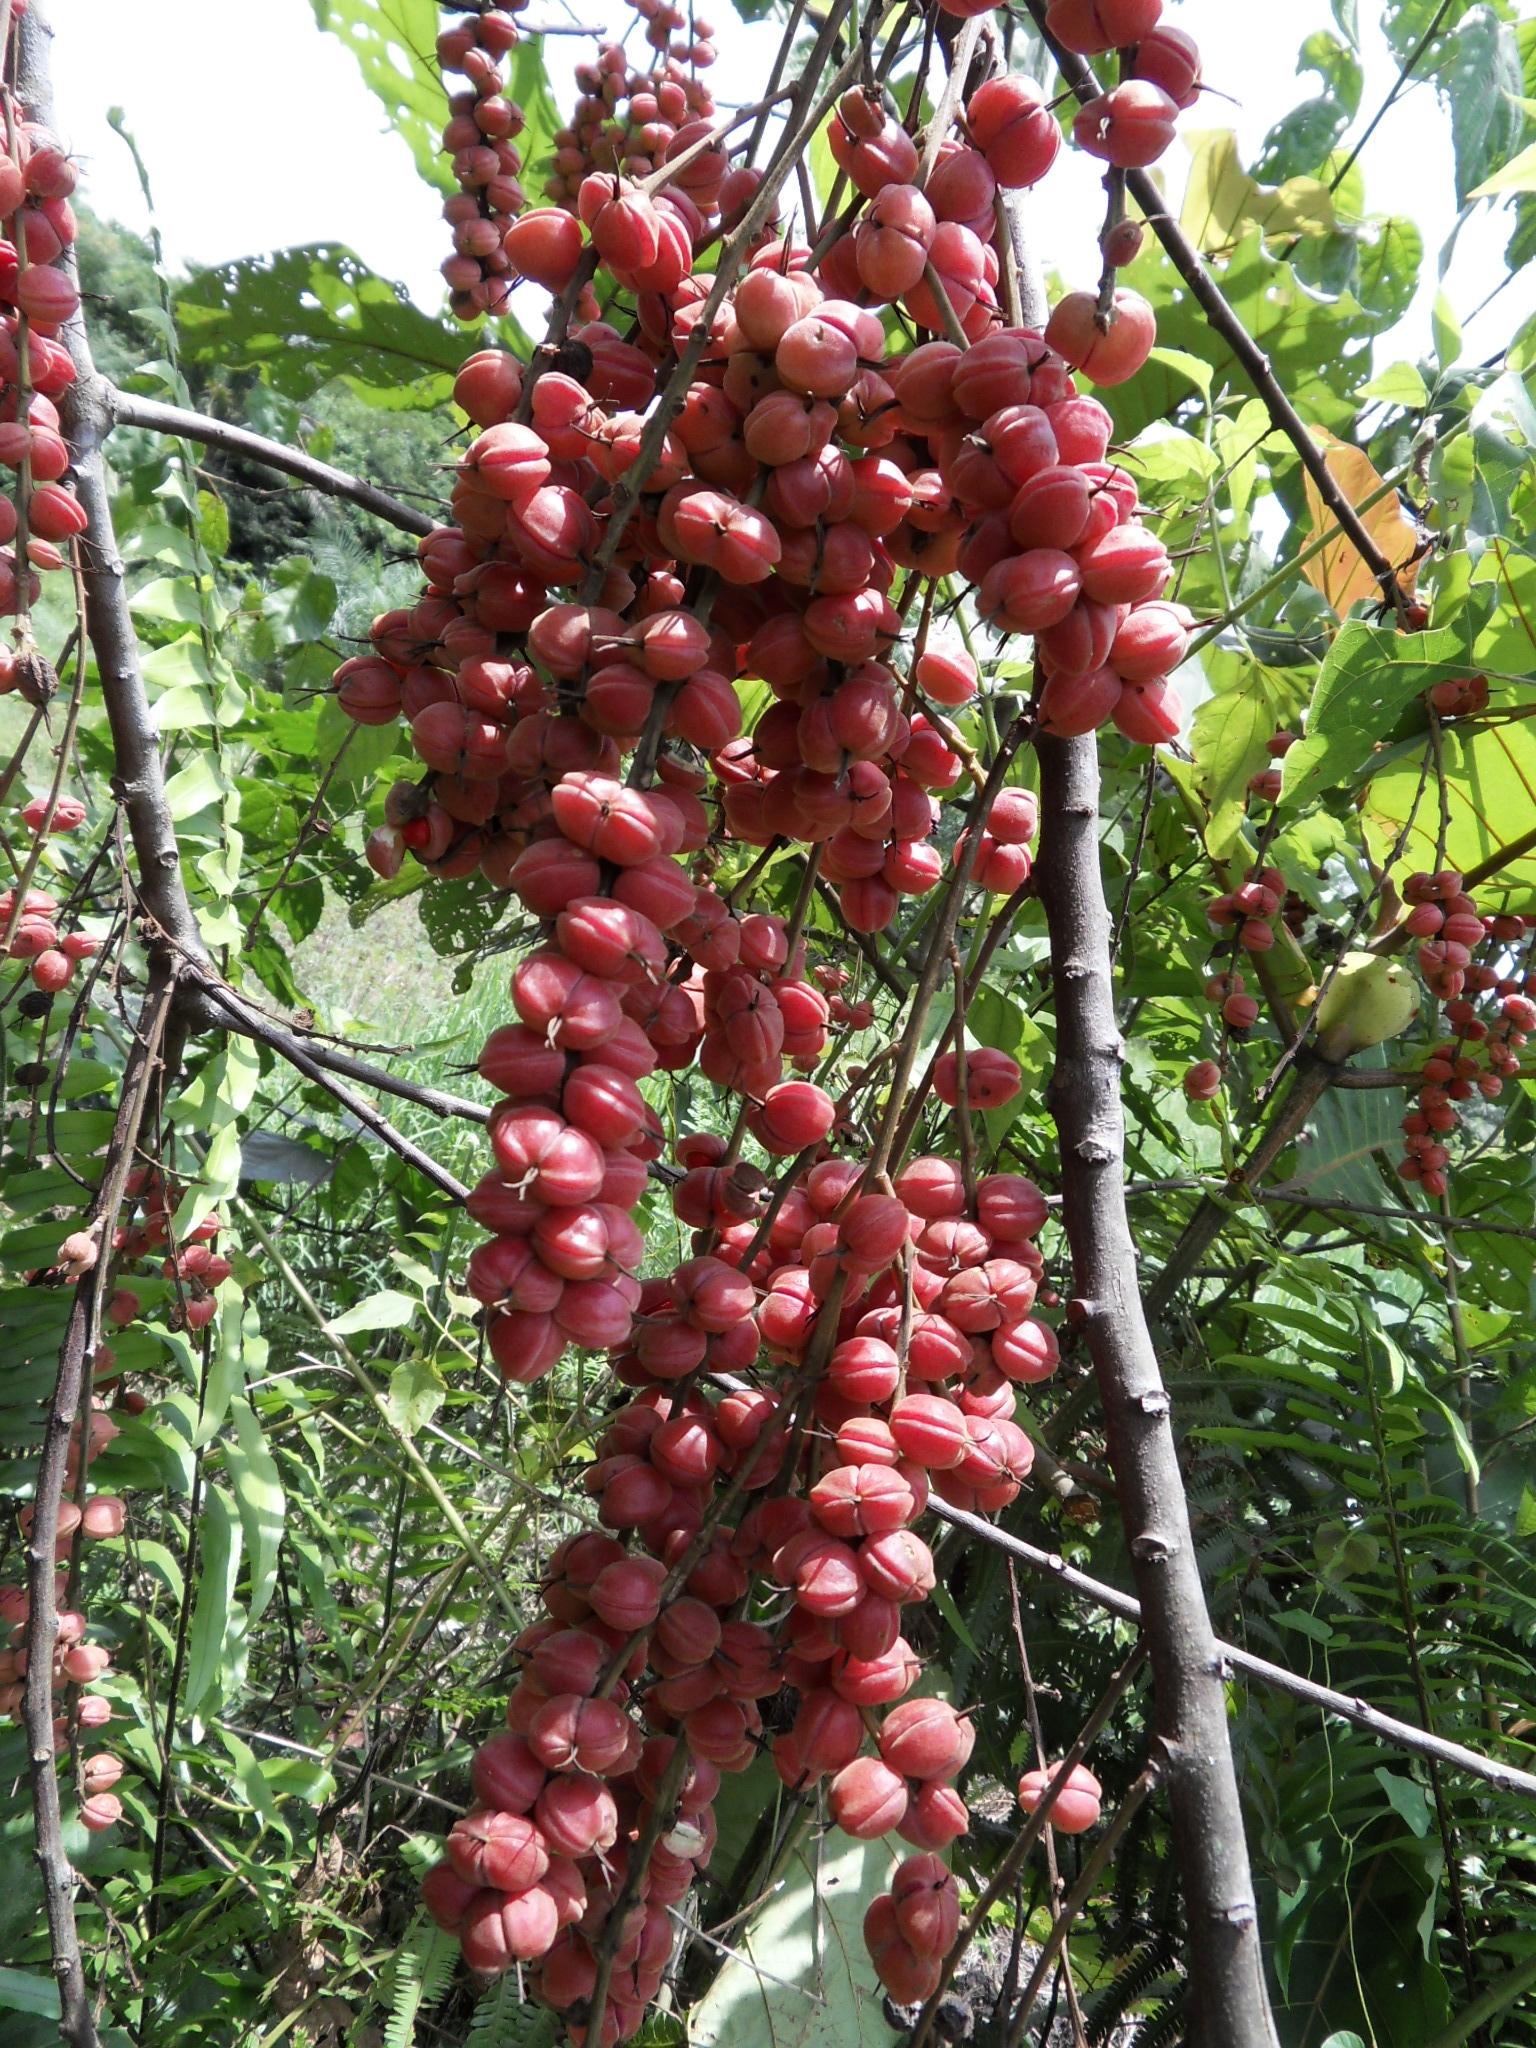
1337 570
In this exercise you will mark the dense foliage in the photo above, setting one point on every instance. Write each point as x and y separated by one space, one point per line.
340 1513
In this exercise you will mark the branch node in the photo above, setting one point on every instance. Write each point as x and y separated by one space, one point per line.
1151 1548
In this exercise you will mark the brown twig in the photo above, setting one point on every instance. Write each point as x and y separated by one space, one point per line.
129 409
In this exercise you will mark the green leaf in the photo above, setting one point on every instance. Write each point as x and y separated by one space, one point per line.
1446 331
1400 384
259 1496
416 1391
305 316
1369 674
386 1310
218 1573
1230 741
25 1991
803 1978
1407 1798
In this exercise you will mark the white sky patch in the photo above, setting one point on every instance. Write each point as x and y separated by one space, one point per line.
259 134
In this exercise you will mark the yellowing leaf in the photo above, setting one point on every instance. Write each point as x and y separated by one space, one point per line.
1338 571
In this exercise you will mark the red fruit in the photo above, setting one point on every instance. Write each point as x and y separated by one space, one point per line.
1202 1082
504 1850
1107 358
1074 1808
867 1798
897 1565
447 1897
504 1771
936 1816
577 1816
1092 26
1014 130
501 1930
929 1430
102 1810
571 1733
926 1902
627 1593
926 1738
1129 126
795 1115
991 1078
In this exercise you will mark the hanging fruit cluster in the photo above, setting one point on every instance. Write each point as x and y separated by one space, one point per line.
37 297
754 478
1450 929
77 1664
481 142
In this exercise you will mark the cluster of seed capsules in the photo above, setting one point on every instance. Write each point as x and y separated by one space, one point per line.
480 141
37 296
1450 929
29 921
77 1664
843 1346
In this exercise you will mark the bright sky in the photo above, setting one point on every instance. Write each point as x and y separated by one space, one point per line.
258 133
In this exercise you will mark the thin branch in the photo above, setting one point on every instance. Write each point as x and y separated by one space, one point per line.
129 409
1346 1706
1211 1212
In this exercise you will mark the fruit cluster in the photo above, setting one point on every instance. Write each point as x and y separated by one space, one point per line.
77 1664
633 122
1450 929
752 481
481 140
37 297
872 1343
29 918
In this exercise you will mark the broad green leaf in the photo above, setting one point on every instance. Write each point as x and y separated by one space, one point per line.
1518 175
1490 780
416 1392
259 1496
1230 742
387 1310
802 1977
1370 674
304 316
25 1991
218 1573
1401 384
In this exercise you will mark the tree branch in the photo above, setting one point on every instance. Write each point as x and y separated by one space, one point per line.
244 1017
1346 1706
1227 1971
129 409
138 780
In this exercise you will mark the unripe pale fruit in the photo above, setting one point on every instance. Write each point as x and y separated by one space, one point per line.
1371 998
